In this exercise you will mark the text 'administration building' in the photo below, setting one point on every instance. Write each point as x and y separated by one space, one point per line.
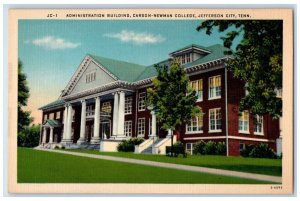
104 103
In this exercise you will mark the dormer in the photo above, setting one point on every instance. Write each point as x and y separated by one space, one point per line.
190 53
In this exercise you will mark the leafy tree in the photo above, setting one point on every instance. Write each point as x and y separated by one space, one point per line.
29 136
24 118
171 97
257 60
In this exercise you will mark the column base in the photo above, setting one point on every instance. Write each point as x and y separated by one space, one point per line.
95 140
66 141
81 141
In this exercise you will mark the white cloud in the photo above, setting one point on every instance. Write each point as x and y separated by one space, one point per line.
26 41
51 42
136 38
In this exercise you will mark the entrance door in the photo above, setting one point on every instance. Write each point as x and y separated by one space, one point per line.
105 130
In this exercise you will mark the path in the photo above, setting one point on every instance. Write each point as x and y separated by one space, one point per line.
174 166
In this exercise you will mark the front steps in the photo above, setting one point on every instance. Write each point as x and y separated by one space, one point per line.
86 146
148 150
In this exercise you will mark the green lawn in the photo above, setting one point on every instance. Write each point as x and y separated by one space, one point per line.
253 165
45 167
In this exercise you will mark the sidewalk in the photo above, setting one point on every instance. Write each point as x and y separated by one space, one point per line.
174 166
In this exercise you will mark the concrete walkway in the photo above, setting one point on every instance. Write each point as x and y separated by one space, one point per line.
174 166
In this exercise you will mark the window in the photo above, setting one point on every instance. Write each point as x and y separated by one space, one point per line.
90 111
106 107
244 122
90 77
215 87
189 147
57 116
195 125
215 120
128 128
142 100
258 126
188 58
242 147
197 86
128 105
183 59
45 117
141 127
246 90
278 93
51 116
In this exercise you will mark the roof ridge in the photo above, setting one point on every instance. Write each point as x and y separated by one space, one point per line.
92 55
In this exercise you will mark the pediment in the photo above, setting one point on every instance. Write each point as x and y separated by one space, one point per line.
89 75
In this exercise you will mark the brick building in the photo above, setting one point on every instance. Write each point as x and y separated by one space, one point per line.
104 103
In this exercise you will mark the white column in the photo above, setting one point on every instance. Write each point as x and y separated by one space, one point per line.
65 122
69 124
169 133
82 122
51 135
121 114
115 114
153 129
96 137
44 135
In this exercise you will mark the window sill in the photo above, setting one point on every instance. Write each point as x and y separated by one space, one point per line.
244 132
142 110
214 131
194 132
200 100
261 134
127 113
214 98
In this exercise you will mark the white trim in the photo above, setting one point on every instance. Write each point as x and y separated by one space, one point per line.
193 132
218 130
244 132
141 135
140 110
215 131
229 137
243 120
214 97
262 127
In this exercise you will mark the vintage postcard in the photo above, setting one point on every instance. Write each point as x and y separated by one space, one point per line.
151 101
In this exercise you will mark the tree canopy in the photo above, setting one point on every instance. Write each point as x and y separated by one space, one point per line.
257 60
171 97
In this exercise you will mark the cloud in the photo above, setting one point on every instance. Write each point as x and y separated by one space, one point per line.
51 42
136 38
26 41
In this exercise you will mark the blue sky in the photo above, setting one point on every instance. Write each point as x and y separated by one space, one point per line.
51 50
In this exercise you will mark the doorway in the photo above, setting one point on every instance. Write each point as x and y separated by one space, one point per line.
105 129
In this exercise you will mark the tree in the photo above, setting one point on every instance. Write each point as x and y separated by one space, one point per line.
257 60
171 97
24 118
29 136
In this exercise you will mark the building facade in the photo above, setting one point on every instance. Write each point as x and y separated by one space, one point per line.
104 103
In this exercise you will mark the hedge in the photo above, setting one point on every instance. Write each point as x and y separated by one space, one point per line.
128 145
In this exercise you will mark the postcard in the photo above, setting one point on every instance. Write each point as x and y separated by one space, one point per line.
151 101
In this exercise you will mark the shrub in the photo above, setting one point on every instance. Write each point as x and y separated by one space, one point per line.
29 136
178 144
63 147
128 145
262 151
56 147
210 148
247 150
221 148
199 148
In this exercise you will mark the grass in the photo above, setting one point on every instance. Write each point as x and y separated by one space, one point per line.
252 165
45 167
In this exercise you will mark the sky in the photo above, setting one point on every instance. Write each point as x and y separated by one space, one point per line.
52 50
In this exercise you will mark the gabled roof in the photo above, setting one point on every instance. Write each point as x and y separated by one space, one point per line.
52 123
54 104
122 70
205 49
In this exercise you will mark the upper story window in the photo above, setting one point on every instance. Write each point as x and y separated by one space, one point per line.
142 101
51 116
215 87
90 77
57 115
185 58
45 117
195 125
128 105
244 122
141 127
215 120
90 111
197 86
258 126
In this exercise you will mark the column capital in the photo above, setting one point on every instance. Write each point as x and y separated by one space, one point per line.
82 100
98 97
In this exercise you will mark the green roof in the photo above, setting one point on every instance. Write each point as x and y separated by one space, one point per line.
54 104
122 70
191 46
217 52
53 123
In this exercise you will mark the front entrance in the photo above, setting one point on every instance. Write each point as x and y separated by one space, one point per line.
105 129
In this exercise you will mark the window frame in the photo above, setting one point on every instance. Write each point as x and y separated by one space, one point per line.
262 126
197 126
128 106
144 102
128 128
142 134
243 120
209 122
197 89
215 90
